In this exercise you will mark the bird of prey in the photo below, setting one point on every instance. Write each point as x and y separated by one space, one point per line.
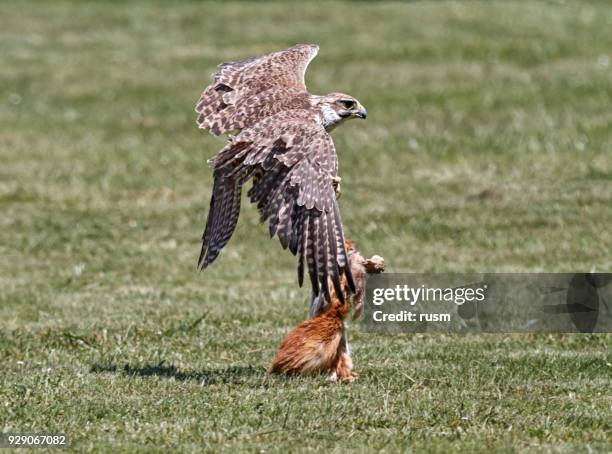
278 138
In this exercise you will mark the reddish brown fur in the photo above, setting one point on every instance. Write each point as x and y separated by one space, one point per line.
318 345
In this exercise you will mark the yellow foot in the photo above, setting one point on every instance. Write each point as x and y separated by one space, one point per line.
336 183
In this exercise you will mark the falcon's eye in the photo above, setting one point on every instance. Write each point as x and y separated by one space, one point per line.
347 103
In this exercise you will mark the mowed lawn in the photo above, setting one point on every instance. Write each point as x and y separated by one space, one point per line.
488 147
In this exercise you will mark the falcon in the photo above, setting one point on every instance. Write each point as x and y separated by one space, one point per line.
278 139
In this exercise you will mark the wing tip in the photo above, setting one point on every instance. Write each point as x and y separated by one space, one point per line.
202 262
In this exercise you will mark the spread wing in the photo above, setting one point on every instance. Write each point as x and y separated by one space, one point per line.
291 160
243 92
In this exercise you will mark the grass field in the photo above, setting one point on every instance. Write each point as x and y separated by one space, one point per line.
487 148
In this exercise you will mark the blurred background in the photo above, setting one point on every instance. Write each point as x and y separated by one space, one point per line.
487 148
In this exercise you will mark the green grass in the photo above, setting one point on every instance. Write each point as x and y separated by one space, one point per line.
487 148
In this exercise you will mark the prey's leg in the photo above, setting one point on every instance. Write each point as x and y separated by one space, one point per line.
343 370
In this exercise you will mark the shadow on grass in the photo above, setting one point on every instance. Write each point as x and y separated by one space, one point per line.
225 375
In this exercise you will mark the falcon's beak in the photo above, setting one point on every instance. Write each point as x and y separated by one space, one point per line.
362 112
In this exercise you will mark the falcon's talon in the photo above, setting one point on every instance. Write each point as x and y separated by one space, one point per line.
336 184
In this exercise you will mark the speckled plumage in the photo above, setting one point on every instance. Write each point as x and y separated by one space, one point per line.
282 144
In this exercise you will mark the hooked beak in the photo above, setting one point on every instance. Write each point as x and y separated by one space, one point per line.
362 113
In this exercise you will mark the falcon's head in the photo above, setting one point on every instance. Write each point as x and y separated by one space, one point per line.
337 107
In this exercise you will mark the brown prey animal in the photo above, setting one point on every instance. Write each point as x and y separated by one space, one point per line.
319 345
